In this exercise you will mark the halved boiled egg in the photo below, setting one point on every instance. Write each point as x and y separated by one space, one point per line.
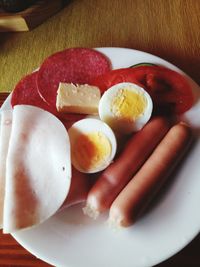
93 145
125 107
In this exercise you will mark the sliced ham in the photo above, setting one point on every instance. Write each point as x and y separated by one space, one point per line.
38 168
6 125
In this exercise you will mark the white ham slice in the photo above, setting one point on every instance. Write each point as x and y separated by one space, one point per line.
5 129
38 168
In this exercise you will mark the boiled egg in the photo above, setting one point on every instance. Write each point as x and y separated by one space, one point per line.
93 145
125 107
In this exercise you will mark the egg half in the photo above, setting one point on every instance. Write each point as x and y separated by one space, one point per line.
93 145
125 107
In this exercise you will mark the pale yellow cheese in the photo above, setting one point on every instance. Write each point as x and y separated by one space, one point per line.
83 99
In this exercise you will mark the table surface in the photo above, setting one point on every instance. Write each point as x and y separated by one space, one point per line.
166 28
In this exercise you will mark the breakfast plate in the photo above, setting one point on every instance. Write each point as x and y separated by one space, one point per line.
71 239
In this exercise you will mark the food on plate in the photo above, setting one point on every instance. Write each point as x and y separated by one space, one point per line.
79 188
93 145
125 107
148 180
38 168
36 154
26 93
169 90
6 124
83 99
74 65
119 173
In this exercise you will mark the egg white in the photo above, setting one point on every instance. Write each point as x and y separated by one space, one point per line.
86 126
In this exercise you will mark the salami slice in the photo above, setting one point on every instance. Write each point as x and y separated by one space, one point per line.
26 93
74 65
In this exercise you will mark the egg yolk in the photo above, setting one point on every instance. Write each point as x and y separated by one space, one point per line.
128 104
92 150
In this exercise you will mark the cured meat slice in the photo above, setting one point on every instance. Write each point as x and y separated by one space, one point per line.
26 93
38 168
74 65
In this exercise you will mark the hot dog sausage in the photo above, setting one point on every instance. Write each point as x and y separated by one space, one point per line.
118 174
139 191
79 188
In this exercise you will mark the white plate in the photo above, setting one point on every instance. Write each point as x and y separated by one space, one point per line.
71 239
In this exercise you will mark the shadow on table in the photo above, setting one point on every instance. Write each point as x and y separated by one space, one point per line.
66 2
3 38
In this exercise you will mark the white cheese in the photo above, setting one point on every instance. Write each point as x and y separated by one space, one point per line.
83 99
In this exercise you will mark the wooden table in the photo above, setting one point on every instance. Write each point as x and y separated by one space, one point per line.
166 28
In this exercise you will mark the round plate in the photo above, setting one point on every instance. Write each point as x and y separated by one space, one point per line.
71 239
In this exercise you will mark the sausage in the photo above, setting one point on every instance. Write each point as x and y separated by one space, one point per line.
134 198
119 173
79 188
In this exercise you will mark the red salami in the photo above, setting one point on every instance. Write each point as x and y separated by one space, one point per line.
26 93
75 65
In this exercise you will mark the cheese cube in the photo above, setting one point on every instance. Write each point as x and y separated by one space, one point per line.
83 99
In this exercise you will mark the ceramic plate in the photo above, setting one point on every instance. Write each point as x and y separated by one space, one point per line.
71 239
